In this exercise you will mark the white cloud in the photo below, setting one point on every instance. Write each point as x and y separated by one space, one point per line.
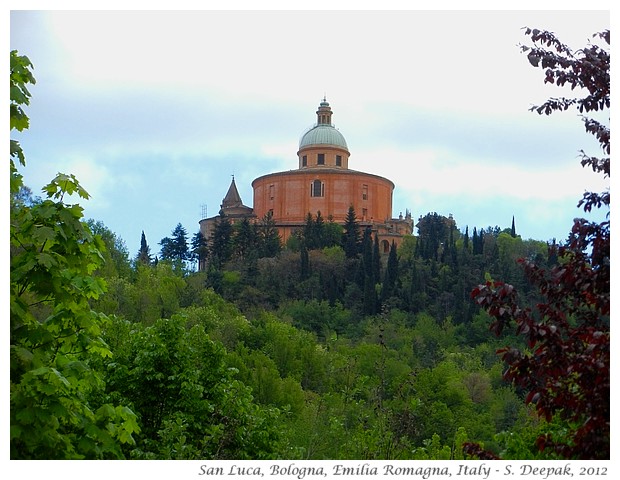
444 172
433 59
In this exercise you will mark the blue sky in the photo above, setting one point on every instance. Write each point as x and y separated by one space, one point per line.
154 111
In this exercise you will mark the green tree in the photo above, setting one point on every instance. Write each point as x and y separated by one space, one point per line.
221 245
116 255
268 236
244 239
176 247
188 402
57 407
466 239
376 260
351 236
433 235
308 234
319 230
391 275
332 233
155 293
144 254
369 280
305 261
200 250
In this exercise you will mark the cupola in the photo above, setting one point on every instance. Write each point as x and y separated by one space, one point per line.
323 145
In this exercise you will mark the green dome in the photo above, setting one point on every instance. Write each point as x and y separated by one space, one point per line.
323 135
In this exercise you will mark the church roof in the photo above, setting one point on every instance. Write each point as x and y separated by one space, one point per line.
232 206
232 198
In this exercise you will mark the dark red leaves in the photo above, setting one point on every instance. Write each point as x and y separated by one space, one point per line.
534 59
588 69
474 450
565 370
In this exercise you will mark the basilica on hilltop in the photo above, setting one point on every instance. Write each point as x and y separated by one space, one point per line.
322 182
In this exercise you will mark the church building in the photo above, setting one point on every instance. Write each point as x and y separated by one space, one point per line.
323 182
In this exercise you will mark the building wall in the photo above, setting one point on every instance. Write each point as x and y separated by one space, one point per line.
311 153
289 196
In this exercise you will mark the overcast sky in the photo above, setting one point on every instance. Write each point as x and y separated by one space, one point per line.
154 111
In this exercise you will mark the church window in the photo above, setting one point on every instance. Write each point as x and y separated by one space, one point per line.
364 192
317 189
304 161
321 159
339 160
271 191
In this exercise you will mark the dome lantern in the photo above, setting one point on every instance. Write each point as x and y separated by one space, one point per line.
324 114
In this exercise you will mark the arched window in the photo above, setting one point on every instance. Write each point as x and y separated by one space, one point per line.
317 189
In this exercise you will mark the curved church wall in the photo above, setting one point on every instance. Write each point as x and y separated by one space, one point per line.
292 195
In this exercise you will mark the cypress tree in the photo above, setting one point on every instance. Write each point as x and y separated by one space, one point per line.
513 232
309 232
351 236
319 231
376 261
475 243
305 261
370 294
200 249
391 273
367 253
144 254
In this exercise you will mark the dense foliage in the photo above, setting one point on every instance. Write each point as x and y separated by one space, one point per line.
323 348
565 368
406 375
58 405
